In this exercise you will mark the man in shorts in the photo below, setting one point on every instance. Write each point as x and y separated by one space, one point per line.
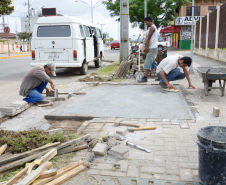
151 48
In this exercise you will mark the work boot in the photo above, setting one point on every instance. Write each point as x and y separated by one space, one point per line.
158 78
143 80
163 85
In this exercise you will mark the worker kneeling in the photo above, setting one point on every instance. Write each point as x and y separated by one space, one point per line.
35 81
167 70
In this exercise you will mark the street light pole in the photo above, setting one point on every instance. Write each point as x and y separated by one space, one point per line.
101 27
191 71
92 11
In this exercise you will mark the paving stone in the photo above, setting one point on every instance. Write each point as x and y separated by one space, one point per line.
175 122
167 177
172 164
181 151
51 93
132 171
142 121
159 170
176 159
216 111
166 120
188 165
163 123
155 120
112 173
53 131
172 171
150 123
185 175
110 120
93 172
121 131
98 120
119 152
131 122
146 176
100 149
184 125
195 172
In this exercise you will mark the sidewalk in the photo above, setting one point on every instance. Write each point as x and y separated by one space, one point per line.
14 55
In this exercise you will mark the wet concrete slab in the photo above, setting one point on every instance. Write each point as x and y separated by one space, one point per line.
127 101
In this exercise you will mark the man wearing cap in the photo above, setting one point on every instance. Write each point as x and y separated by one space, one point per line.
35 81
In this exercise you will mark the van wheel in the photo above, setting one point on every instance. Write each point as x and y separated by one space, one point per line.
111 48
98 63
84 69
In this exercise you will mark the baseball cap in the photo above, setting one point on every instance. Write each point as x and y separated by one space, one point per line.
52 68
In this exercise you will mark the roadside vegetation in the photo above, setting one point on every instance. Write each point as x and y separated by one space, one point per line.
103 75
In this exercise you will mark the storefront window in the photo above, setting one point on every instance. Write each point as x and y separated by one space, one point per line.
212 8
196 11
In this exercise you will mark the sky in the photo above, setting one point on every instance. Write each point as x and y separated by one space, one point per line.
69 7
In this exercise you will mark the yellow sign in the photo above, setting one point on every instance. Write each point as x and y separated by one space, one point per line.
111 39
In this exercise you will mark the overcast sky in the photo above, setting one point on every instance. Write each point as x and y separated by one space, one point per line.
72 8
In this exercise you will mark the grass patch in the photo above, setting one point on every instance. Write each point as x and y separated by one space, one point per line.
72 135
23 141
60 161
9 174
103 74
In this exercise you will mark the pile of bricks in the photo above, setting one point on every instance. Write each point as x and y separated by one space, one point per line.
14 108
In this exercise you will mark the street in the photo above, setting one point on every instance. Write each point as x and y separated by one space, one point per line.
13 70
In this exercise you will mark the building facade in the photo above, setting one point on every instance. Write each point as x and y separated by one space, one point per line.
181 38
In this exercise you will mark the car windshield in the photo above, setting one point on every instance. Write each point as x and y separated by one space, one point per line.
54 31
160 40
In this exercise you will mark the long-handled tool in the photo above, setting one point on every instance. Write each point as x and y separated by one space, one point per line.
126 124
44 105
139 147
139 74
142 128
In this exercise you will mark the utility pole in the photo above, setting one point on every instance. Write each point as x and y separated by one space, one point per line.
92 11
101 27
29 23
145 13
3 22
191 71
124 29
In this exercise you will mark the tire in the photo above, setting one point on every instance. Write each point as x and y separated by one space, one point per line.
160 48
111 48
98 63
114 48
84 69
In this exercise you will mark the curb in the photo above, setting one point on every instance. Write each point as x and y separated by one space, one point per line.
17 56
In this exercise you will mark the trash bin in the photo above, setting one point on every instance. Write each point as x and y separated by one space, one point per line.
212 155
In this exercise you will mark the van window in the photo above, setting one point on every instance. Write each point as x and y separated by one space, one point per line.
99 34
54 31
87 33
82 31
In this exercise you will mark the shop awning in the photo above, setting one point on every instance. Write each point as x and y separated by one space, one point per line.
171 29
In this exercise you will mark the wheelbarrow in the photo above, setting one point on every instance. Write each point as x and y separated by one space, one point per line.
210 75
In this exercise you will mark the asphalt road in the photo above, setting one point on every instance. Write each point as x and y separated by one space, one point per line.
13 70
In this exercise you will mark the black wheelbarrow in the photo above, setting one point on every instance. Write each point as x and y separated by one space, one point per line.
210 75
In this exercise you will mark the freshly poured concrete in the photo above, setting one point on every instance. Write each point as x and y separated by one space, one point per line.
127 101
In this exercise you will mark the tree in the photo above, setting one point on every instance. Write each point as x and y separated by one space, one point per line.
162 11
24 36
5 8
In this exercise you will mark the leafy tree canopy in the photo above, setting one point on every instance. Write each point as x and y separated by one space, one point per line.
5 8
162 11
23 35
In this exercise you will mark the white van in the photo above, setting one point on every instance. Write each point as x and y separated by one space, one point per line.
66 42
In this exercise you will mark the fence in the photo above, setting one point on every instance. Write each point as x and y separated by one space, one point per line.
210 34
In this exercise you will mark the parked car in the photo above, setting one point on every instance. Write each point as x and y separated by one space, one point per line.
115 44
161 43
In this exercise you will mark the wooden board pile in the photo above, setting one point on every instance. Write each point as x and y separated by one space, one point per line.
37 172
14 108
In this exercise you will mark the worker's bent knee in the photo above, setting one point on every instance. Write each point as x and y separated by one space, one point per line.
40 98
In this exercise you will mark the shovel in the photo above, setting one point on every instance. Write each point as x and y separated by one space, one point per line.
139 74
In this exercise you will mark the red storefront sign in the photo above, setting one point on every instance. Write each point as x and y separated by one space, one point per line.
171 29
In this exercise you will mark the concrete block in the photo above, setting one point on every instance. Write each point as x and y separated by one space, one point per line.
53 131
121 131
119 152
43 127
216 111
184 125
100 149
51 93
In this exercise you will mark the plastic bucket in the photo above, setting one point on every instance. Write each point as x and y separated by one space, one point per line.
212 155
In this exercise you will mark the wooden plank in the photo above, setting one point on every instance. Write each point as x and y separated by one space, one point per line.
63 145
67 175
21 161
60 172
48 174
3 148
15 178
28 153
5 155
35 174
49 155
71 149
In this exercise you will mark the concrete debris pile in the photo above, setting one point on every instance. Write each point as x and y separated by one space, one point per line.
123 69
14 108
39 171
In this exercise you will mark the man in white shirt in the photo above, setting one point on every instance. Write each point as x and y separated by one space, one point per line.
151 48
167 70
